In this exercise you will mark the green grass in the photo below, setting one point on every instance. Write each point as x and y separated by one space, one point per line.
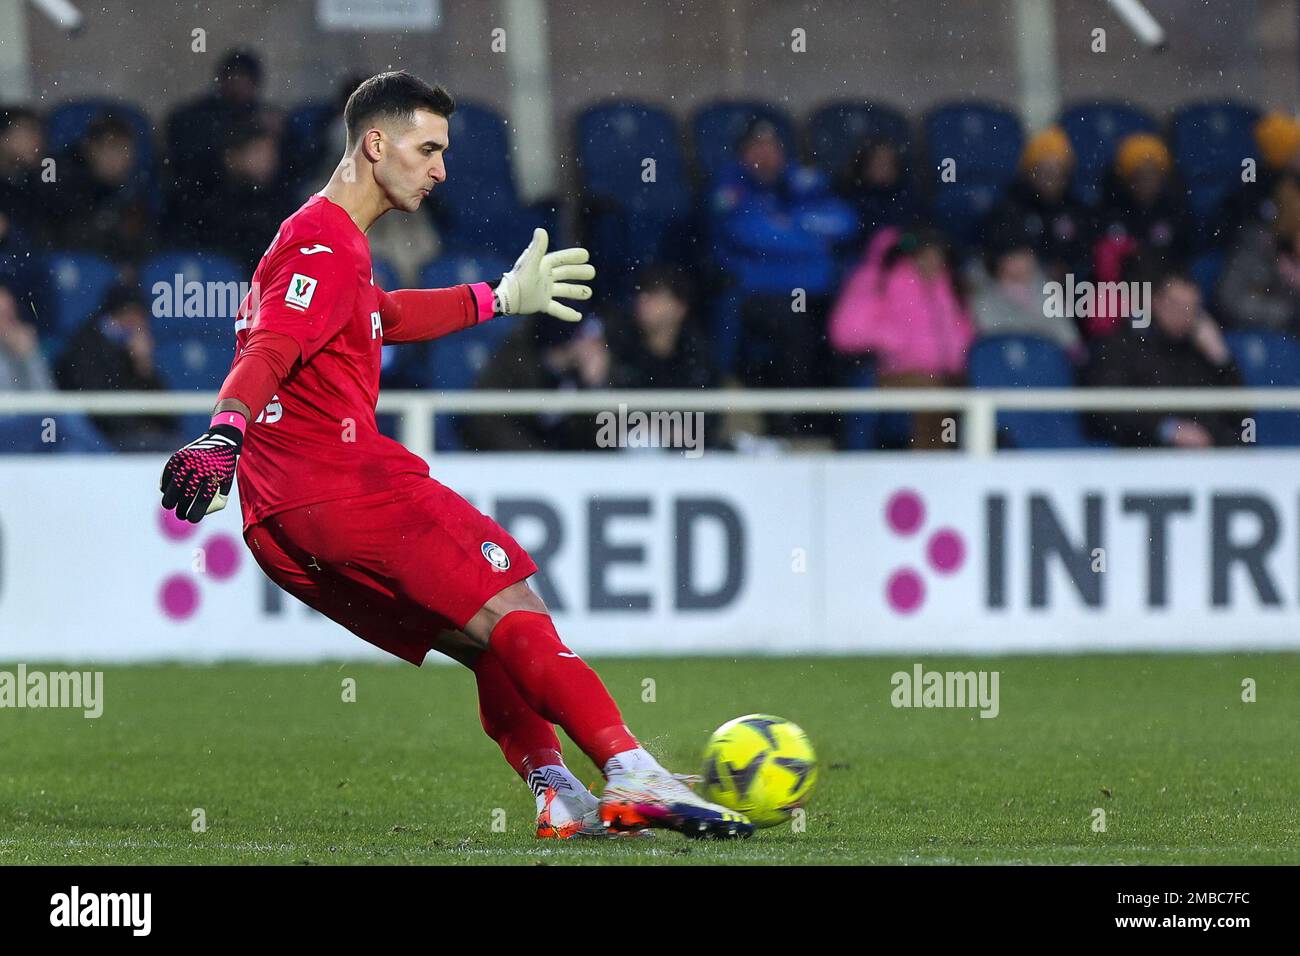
288 773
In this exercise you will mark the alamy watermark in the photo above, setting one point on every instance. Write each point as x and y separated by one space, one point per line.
637 429
922 688
182 299
76 690
1086 300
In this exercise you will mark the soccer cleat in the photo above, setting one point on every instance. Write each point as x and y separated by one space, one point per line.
649 798
557 822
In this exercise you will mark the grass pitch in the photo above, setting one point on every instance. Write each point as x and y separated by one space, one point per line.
286 772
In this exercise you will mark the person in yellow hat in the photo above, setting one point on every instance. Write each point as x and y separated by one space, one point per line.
1145 210
1039 206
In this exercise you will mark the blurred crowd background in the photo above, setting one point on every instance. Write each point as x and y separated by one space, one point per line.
742 243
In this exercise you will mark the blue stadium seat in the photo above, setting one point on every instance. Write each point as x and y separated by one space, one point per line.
1205 270
984 141
1209 141
716 128
1269 360
446 271
1026 361
625 219
304 141
454 361
837 129
212 282
68 122
385 274
74 433
478 207
1095 129
78 281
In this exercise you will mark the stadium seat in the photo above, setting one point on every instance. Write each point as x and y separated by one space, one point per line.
1204 270
1026 361
1095 129
304 139
68 122
1209 141
74 433
212 282
78 281
984 142
716 128
193 352
625 218
836 129
454 361
478 207
1269 360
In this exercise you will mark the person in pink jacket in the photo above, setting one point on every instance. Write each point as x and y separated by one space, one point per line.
901 306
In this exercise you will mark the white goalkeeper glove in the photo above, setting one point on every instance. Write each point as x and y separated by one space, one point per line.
539 278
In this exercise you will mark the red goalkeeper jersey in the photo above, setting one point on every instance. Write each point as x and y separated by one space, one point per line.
316 440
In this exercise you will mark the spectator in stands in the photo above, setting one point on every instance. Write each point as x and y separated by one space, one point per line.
1259 290
22 149
776 224
902 306
1039 205
114 350
661 346
876 183
103 202
238 217
1011 298
1183 348
1275 192
22 366
1144 212
196 138
541 353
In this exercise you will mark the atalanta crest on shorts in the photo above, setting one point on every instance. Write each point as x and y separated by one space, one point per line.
496 556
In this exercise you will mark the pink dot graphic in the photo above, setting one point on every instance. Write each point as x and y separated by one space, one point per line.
905 590
221 556
946 551
173 527
179 597
905 512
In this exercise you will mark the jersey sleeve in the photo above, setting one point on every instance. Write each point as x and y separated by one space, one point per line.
308 297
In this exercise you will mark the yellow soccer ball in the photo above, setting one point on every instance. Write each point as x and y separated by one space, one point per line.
761 765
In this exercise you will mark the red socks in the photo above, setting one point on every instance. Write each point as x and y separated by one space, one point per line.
557 684
525 737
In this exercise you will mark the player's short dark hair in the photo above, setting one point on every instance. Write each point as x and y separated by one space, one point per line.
397 94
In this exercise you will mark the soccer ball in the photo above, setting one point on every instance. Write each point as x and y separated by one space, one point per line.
761 765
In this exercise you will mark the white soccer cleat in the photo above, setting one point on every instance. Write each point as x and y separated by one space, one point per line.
652 798
566 818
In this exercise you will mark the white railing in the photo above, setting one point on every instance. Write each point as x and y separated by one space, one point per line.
978 407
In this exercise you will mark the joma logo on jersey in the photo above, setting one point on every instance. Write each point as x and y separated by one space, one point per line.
301 289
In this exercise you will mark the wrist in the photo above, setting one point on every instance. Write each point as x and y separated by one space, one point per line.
234 419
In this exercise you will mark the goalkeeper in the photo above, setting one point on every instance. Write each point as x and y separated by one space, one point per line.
351 523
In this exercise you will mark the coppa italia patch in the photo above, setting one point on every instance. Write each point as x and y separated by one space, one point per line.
301 288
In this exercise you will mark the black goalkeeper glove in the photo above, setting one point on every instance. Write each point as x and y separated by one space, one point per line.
198 478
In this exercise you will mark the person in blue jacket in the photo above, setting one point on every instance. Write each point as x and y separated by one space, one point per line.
774 226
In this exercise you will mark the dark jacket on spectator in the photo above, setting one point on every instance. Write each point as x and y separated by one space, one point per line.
1134 360
96 360
1253 294
115 221
519 363
1164 230
1060 232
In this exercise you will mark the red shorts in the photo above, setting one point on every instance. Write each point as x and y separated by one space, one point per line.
395 567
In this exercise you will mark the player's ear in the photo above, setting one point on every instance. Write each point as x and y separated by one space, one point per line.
372 144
